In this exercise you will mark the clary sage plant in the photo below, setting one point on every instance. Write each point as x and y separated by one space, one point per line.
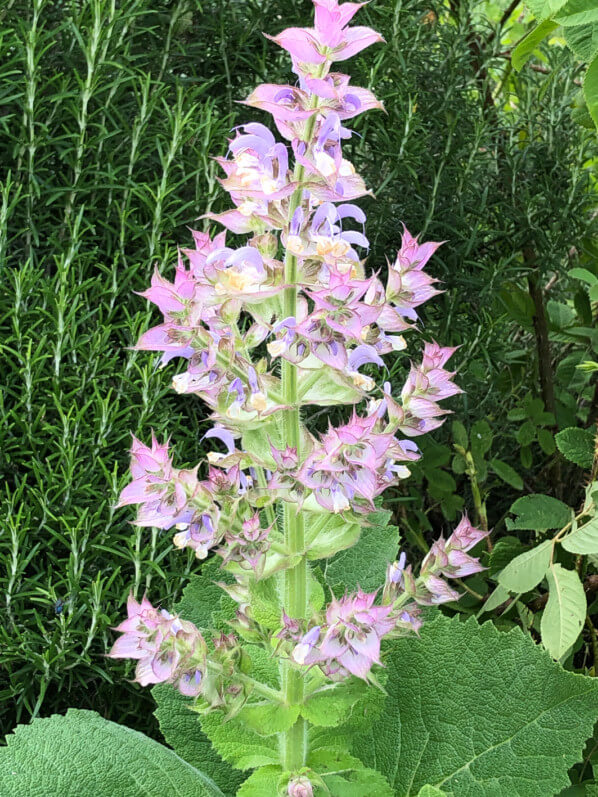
306 656
285 322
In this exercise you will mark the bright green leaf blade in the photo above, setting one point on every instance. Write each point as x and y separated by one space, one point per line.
365 564
584 539
478 713
577 445
577 12
430 791
546 441
590 89
565 611
503 552
527 45
81 753
261 783
460 434
507 473
238 744
539 513
527 569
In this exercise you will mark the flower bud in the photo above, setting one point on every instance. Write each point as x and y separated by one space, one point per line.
300 787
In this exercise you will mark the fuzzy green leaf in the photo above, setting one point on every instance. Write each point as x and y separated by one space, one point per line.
190 735
265 602
527 569
81 753
331 706
565 611
526 434
328 760
539 513
477 712
202 596
546 441
430 791
365 563
257 443
577 445
584 539
261 783
267 719
238 744
326 388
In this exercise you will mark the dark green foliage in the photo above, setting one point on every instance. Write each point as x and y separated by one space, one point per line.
109 114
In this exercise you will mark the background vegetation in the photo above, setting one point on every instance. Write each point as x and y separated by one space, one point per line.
109 113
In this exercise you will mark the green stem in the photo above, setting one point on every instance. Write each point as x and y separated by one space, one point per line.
293 743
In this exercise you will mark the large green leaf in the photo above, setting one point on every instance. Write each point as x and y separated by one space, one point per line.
565 611
83 754
261 783
365 563
478 713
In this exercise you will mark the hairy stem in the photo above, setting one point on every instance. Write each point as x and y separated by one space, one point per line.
293 743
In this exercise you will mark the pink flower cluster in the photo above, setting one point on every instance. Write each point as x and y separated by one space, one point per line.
353 464
445 559
315 309
348 640
167 649
169 497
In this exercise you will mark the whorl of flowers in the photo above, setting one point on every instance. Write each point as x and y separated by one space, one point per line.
166 647
286 320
